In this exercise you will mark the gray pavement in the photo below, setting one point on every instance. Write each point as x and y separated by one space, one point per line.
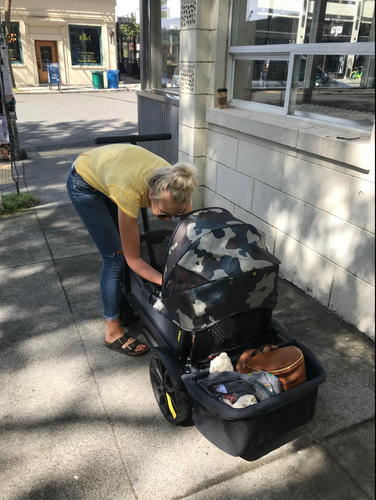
80 422
66 119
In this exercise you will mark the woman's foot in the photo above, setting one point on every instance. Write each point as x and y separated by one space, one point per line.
116 340
124 345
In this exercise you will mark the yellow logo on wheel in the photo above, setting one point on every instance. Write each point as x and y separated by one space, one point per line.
170 405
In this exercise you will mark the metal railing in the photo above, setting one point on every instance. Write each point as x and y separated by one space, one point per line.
159 111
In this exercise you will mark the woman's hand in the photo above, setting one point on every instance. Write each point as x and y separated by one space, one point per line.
130 240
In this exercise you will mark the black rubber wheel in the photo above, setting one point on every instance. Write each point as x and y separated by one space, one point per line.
174 404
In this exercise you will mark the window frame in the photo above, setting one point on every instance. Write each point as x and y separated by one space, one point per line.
287 52
100 28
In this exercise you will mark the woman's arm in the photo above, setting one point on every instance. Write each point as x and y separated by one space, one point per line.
130 240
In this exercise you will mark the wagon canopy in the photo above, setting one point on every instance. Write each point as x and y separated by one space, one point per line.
216 266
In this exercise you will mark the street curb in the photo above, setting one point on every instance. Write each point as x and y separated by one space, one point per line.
52 91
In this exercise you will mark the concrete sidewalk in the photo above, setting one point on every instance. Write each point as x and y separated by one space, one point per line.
81 422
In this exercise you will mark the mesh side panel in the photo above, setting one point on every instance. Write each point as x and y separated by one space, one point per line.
237 327
154 252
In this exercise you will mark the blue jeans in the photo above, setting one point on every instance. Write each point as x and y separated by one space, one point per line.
99 215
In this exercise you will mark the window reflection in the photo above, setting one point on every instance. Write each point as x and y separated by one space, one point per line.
261 81
264 22
317 91
170 43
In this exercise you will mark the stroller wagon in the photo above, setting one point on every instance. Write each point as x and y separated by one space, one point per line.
218 292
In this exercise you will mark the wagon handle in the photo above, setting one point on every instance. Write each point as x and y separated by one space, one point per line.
133 139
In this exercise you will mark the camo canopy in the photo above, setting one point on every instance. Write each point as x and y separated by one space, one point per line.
216 266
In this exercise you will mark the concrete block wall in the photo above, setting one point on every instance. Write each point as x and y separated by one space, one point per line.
318 215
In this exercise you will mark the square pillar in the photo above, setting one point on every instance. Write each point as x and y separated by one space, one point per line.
203 32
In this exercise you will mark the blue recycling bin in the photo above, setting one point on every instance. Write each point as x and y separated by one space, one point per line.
112 78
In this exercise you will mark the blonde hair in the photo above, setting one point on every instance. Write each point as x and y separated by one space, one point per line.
179 180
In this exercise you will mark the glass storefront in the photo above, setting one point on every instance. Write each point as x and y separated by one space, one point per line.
85 44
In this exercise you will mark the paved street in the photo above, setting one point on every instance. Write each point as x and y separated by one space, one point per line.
57 120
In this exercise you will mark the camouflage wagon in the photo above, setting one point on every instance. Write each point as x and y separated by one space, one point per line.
216 266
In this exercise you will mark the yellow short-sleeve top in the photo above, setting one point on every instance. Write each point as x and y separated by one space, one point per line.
120 172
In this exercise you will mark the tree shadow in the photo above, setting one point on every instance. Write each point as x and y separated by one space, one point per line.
40 135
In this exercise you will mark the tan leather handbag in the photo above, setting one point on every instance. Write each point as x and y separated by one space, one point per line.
286 363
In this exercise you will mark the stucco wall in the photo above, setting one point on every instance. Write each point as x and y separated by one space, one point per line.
41 20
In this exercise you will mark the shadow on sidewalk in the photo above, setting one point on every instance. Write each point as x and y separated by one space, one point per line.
38 135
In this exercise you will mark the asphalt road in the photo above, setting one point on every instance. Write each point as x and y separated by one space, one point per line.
74 119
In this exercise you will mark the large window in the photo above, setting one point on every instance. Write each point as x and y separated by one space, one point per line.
15 48
86 47
306 58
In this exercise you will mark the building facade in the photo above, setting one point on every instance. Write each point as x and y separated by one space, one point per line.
79 35
293 152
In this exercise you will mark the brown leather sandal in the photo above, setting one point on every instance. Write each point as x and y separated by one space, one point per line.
130 349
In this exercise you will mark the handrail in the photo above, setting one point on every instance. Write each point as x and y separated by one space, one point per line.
133 139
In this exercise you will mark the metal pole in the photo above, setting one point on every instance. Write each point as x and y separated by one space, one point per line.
156 44
313 61
145 44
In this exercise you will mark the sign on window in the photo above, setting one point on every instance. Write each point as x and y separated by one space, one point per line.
85 42
15 53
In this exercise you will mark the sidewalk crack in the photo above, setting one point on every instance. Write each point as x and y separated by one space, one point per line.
110 420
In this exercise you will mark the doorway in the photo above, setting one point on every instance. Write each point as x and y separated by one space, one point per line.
46 54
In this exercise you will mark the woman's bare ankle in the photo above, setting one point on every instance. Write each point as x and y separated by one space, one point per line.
114 328
115 331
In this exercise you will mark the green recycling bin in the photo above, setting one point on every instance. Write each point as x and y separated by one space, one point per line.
97 77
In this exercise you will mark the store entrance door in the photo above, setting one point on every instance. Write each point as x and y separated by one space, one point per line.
46 54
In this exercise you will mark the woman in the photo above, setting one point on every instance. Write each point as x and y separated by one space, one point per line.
107 186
